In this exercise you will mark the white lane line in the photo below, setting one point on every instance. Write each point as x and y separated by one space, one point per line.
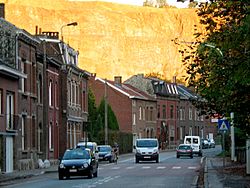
192 167
130 167
176 167
161 167
115 168
145 167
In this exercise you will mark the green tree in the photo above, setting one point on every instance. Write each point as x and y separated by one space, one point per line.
92 127
218 64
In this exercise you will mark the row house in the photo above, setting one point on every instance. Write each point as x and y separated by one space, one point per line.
167 98
174 103
17 95
67 113
135 110
43 97
191 121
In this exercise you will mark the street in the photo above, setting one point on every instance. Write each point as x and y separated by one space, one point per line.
169 172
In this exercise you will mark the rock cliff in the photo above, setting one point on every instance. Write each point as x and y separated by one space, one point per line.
112 39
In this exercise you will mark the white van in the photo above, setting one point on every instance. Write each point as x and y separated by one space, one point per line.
195 142
146 149
91 145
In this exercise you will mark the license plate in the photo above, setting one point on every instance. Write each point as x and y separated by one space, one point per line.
72 170
100 157
147 157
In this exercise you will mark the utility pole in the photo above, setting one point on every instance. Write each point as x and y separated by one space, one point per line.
232 137
106 112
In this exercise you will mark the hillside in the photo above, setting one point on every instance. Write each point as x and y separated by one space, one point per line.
112 39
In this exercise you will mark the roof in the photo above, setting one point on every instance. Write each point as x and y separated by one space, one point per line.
126 90
186 93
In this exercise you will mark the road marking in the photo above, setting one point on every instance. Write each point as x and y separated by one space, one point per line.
130 167
115 168
146 167
192 167
161 167
176 167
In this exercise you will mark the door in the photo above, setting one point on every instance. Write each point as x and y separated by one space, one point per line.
9 154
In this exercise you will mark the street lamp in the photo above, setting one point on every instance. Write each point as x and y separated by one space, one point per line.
69 24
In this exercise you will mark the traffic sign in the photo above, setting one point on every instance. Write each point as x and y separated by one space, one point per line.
223 125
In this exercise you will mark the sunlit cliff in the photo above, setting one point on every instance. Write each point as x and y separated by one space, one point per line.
112 39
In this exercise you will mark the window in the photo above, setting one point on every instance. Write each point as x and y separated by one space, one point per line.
1 101
39 138
39 90
151 109
158 111
9 110
22 79
56 94
133 102
23 133
51 138
143 113
140 113
172 111
190 113
134 119
164 111
50 93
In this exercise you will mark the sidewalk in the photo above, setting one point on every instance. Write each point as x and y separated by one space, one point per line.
7 177
232 175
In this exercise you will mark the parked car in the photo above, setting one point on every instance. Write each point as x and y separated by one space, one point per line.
204 143
105 153
77 162
146 149
211 143
184 150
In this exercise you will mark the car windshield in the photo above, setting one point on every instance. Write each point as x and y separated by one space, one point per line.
76 154
104 149
146 143
83 147
184 147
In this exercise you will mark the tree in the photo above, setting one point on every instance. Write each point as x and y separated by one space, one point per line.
92 127
217 62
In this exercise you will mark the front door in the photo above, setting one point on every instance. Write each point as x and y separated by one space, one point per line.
9 154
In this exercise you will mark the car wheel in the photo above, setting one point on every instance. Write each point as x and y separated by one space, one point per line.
60 176
136 160
95 174
191 156
157 160
90 175
177 156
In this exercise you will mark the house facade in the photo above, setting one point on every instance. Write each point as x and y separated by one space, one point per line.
135 111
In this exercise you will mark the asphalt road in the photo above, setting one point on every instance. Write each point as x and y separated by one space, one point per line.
170 172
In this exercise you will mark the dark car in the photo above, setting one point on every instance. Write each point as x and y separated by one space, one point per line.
204 143
77 162
184 150
105 153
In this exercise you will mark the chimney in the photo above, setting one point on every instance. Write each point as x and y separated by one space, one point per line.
118 80
2 10
174 79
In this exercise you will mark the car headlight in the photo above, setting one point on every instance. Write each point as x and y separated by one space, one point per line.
61 165
138 151
85 165
155 151
107 155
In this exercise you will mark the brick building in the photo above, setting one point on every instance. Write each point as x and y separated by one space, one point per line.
135 110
